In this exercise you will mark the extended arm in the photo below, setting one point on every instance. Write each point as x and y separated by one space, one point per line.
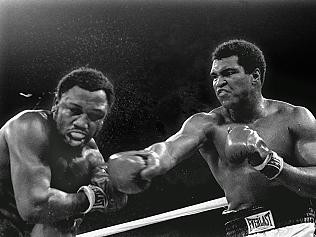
165 155
132 171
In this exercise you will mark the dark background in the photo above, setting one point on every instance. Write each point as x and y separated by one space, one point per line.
157 55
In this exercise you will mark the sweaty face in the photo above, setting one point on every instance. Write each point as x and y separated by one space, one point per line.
79 114
230 82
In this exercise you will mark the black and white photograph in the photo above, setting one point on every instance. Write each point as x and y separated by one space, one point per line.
160 118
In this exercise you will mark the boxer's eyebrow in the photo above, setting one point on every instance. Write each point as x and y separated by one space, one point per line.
96 111
229 71
74 104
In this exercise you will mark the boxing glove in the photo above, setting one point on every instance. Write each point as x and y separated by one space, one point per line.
116 199
242 141
124 170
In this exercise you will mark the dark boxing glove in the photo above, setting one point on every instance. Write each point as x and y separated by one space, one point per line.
124 170
116 199
242 141
96 196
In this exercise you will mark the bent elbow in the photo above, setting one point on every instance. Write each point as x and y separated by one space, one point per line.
30 214
33 209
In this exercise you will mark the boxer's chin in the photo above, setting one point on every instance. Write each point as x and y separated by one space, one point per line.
77 143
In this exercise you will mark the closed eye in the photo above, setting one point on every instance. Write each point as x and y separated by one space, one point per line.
75 110
96 116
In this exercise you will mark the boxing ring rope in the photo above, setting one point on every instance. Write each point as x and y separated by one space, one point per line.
186 211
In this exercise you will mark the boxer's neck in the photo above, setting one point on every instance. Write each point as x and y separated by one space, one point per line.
248 112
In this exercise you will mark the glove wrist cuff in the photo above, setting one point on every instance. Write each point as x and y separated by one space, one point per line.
90 195
264 163
272 166
96 196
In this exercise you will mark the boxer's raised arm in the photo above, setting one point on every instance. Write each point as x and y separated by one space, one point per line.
36 201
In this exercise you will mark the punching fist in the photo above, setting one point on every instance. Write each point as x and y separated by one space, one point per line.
242 141
124 170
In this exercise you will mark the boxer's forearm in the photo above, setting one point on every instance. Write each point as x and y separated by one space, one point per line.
172 152
161 152
301 180
56 205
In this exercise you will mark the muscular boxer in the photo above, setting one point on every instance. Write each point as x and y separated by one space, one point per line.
262 152
52 172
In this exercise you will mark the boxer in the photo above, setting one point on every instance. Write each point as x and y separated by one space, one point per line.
262 152
52 173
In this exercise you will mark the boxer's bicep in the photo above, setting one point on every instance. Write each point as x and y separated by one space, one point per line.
181 146
305 137
30 175
189 138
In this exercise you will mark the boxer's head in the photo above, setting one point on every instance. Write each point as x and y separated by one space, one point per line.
238 72
88 79
83 99
249 55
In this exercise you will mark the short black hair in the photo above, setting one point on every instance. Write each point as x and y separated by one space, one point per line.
89 79
249 55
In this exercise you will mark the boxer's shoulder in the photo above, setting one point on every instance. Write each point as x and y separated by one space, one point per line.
29 117
281 107
200 123
290 112
206 118
29 123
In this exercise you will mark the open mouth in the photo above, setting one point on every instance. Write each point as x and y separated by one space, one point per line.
76 138
221 91
77 135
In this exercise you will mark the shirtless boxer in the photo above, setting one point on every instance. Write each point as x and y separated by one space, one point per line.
52 172
262 152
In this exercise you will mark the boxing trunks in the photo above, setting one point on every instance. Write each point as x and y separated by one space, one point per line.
271 221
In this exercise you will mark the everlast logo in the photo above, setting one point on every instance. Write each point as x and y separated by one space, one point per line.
260 222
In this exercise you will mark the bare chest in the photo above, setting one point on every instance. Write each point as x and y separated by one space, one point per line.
275 134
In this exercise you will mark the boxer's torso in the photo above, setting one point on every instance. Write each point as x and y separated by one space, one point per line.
244 186
69 169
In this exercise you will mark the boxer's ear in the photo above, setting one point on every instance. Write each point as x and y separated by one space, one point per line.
256 76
